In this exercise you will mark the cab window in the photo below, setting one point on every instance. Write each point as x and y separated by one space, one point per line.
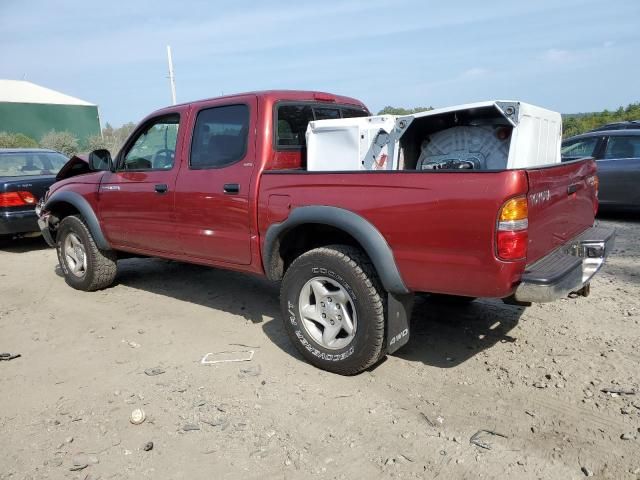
220 136
292 120
155 146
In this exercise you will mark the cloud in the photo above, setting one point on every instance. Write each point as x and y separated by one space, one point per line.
556 55
475 72
608 44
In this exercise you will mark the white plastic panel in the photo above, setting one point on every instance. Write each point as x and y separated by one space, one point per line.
372 143
360 143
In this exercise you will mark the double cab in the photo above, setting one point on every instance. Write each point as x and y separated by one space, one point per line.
224 182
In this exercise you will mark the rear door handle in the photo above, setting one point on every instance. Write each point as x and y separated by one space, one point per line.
231 188
161 188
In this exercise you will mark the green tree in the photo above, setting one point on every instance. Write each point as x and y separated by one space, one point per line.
63 142
389 110
16 140
574 124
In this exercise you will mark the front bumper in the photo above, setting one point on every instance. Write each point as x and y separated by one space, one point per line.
43 224
20 221
567 269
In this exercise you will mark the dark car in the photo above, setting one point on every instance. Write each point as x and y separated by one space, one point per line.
25 175
617 153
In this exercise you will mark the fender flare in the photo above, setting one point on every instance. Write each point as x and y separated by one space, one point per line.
368 236
79 202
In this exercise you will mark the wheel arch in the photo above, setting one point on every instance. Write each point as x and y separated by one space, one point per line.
67 203
334 225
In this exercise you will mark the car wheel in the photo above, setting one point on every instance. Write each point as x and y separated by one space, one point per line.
333 309
84 265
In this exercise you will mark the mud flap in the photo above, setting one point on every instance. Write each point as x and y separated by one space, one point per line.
399 308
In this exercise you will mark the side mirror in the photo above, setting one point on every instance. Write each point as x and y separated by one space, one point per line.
100 160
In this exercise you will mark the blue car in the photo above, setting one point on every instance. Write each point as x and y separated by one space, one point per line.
617 153
25 175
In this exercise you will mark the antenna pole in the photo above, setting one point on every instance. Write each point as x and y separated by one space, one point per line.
172 78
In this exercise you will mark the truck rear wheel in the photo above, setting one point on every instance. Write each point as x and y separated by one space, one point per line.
333 309
84 265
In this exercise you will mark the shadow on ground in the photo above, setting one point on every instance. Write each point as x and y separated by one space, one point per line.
446 335
442 335
22 245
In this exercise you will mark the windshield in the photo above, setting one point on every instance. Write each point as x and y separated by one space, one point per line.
19 164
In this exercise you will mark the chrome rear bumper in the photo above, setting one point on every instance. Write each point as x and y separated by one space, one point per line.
567 269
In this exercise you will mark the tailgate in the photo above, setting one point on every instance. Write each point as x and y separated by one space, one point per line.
562 204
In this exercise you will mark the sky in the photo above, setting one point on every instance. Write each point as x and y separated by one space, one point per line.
570 56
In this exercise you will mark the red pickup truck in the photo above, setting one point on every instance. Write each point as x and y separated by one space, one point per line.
223 182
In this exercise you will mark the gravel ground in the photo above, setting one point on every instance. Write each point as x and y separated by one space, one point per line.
534 377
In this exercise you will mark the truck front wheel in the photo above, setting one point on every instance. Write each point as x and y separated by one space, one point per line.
333 309
84 265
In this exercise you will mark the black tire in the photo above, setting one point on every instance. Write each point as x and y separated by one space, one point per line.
101 265
352 270
5 240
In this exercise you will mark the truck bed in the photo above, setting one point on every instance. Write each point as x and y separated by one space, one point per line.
441 225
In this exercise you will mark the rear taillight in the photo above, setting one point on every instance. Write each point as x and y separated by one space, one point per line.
17 199
512 233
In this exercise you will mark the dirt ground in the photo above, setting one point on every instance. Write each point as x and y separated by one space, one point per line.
534 376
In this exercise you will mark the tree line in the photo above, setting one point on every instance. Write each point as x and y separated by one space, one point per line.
113 138
65 142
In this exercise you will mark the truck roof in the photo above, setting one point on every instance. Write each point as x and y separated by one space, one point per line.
276 95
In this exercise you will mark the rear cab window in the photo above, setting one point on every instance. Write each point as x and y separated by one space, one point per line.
292 118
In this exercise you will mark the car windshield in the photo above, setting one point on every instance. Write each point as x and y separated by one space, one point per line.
18 164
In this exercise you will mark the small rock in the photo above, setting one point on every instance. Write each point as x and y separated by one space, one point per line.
128 452
189 427
148 446
151 372
140 331
251 371
68 440
625 410
137 416
587 472
389 461
77 468
627 436
540 385
559 385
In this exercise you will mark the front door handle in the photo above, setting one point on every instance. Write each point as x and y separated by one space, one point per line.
161 188
231 188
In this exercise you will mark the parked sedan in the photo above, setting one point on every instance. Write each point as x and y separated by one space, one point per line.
25 175
617 153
